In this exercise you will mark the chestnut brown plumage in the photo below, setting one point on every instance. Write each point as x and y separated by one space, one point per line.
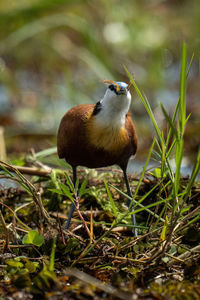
87 137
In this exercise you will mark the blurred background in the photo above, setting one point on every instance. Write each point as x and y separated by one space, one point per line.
54 55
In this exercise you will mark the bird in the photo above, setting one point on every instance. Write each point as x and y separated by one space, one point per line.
100 135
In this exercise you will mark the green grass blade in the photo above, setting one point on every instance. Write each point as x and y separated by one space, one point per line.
82 189
149 206
182 111
52 256
46 152
195 172
65 191
57 191
143 171
173 121
138 202
178 159
69 182
173 128
182 118
177 105
6 171
171 148
145 103
114 209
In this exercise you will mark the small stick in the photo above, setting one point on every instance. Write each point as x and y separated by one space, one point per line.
15 215
36 195
129 85
81 217
4 227
186 254
31 171
107 288
2 145
91 225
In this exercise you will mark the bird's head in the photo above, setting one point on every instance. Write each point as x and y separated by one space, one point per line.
112 109
117 97
118 88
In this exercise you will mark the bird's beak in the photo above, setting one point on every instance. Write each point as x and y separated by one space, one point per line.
112 82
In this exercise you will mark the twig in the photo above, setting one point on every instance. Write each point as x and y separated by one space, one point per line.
187 254
174 258
91 225
4 227
18 246
80 256
97 283
31 171
188 216
15 215
120 258
69 232
45 172
165 244
126 259
132 243
36 195
2 145
80 215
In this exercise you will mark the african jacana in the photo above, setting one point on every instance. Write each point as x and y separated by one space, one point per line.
99 135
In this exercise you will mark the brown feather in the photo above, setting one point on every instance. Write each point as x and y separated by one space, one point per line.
74 145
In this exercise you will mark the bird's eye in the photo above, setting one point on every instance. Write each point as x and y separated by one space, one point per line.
111 87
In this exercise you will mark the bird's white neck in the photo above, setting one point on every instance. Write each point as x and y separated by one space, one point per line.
114 109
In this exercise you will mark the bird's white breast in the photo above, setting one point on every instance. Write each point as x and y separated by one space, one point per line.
106 130
114 110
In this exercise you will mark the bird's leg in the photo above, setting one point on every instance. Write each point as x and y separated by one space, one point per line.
72 207
129 201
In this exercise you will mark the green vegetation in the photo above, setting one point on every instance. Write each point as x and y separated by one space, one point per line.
32 237
54 55
166 206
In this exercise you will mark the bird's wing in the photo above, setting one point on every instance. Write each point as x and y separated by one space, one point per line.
71 129
130 127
